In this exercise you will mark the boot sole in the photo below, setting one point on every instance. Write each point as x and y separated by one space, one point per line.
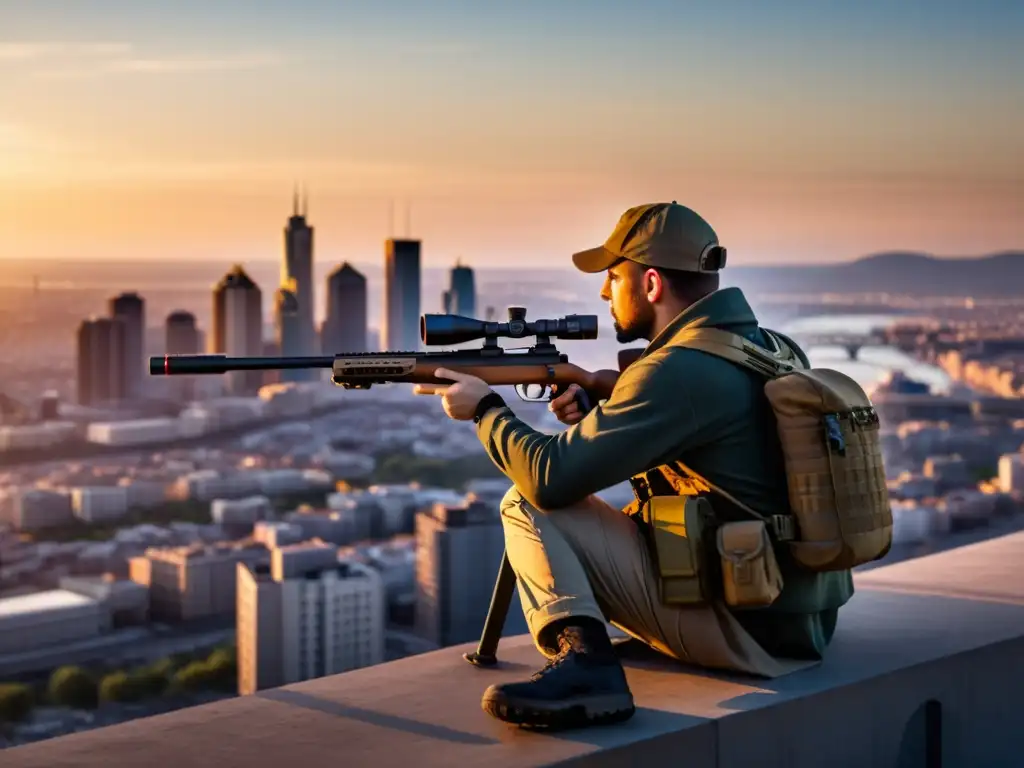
577 712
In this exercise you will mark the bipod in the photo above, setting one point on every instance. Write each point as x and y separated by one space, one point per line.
504 586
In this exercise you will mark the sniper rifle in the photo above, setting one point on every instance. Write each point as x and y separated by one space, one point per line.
535 372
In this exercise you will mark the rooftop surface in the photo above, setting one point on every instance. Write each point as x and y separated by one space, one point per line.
50 600
926 657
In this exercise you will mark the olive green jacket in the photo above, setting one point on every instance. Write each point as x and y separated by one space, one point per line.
677 404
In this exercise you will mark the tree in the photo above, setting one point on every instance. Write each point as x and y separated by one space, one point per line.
165 667
16 702
119 686
73 687
444 473
193 677
222 668
224 655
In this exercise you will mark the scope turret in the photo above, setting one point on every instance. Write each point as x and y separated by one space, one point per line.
441 330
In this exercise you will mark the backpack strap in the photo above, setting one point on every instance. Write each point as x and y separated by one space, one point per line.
770 363
733 347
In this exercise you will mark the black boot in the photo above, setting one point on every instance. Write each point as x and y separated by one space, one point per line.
583 685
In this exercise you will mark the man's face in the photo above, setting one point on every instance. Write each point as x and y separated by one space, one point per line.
625 290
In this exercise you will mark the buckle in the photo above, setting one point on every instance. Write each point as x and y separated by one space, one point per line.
641 488
783 526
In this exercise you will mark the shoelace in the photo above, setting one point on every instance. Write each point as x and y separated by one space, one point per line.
566 647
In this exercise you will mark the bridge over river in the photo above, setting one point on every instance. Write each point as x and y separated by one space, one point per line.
851 342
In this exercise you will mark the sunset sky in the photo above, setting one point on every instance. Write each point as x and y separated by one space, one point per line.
519 131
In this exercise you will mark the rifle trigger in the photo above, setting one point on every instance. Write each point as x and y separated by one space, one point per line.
524 390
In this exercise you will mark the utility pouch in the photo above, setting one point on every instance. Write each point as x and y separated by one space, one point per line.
750 573
677 529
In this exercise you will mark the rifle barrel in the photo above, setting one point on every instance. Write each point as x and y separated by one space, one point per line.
171 365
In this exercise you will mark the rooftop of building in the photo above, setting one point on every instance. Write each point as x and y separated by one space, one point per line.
41 602
107 583
924 670
204 549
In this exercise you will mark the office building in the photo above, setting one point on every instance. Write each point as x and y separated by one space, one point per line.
40 619
458 551
181 337
34 509
238 326
101 360
460 298
195 581
288 328
297 272
1011 473
401 295
306 615
130 309
344 328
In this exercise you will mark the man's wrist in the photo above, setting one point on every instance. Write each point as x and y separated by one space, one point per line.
487 402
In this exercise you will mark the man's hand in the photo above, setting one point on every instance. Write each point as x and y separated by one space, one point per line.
460 399
566 407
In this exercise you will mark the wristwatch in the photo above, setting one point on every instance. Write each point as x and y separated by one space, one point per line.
488 401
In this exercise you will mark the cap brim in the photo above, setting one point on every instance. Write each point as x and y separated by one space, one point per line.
594 260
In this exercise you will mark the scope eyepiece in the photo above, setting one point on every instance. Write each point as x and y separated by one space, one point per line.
442 330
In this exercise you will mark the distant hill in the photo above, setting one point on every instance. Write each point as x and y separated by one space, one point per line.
1000 274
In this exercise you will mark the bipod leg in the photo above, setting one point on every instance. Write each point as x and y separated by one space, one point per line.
486 650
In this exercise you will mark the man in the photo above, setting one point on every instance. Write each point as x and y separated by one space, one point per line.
580 562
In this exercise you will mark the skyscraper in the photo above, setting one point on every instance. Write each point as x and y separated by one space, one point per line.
131 310
307 615
460 298
101 356
344 328
288 325
181 337
298 266
401 295
238 325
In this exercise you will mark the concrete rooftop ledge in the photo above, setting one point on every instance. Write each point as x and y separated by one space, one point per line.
947 629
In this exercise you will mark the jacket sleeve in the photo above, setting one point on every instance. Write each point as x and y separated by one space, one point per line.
647 421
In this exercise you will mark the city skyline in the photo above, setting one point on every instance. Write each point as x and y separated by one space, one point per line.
799 144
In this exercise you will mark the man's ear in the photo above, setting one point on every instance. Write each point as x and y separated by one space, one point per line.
654 286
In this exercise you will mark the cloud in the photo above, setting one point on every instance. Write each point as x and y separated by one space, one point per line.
191 64
73 60
22 51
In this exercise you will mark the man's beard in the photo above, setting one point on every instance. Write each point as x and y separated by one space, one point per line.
626 337
640 330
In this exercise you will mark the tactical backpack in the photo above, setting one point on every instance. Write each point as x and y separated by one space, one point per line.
829 432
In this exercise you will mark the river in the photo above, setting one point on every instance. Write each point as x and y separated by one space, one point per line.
873 363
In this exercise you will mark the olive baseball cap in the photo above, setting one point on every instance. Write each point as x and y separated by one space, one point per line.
665 235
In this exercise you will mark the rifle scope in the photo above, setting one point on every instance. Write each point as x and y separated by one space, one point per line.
440 330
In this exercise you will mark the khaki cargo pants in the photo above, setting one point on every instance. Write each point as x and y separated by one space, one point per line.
591 560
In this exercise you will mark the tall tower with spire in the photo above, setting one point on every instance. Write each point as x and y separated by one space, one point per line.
297 275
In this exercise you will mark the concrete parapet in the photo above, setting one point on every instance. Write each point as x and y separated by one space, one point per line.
925 671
